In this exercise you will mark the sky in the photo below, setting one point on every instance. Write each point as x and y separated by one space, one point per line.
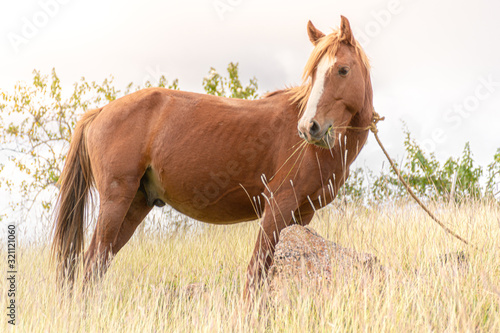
435 64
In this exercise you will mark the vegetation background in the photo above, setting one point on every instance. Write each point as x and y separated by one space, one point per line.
150 284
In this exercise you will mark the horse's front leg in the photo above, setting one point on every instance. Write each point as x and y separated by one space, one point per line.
273 221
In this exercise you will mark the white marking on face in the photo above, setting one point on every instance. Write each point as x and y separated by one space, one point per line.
317 90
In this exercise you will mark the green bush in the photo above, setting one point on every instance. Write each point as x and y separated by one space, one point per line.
458 179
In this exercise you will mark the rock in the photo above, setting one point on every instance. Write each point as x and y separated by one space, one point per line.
303 255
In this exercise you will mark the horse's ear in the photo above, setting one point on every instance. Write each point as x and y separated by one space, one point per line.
346 31
314 34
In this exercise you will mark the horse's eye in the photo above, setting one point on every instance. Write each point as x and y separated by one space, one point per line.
343 71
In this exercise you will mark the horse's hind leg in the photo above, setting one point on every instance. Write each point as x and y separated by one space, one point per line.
118 206
135 215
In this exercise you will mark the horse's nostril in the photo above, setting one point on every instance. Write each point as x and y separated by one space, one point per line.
315 128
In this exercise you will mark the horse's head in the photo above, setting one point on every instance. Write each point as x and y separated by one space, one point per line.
337 83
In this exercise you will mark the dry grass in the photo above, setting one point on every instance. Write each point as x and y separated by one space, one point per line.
145 287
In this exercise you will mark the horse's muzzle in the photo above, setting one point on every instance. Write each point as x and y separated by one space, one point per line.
316 135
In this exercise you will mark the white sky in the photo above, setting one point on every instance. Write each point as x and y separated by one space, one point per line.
428 57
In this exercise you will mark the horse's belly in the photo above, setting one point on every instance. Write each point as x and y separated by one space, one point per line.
214 197
205 204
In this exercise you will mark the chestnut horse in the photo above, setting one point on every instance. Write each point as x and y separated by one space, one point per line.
215 159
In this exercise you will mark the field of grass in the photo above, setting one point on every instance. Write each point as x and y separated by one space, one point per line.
147 286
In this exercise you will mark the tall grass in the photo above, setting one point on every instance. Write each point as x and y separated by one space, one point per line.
149 285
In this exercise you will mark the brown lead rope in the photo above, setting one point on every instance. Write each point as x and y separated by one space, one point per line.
373 127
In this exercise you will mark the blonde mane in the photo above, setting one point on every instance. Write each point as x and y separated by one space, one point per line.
328 45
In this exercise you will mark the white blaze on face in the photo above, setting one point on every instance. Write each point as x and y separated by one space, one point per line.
317 90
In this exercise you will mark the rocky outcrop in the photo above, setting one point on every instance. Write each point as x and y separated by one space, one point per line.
303 255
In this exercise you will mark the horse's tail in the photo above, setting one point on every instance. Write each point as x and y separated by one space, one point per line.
75 183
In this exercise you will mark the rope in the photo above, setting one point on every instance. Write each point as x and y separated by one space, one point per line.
373 127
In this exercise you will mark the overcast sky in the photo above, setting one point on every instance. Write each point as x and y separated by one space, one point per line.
435 63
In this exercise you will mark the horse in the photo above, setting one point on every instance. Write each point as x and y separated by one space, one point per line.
215 159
